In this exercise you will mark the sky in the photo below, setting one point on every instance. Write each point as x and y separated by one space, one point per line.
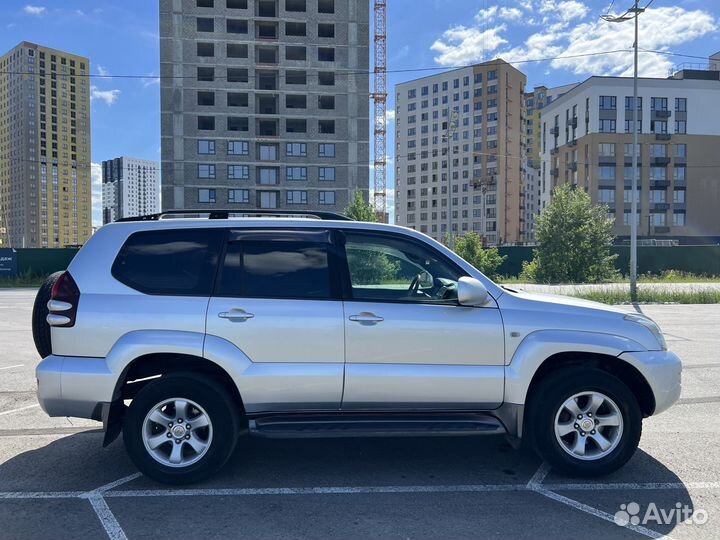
121 37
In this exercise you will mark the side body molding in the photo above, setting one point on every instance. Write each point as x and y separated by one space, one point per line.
540 345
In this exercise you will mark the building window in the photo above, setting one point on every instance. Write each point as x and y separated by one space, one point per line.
657 195
629 103
267 177
268 199
206 49
658 126
679 219
206 123
238 172
268 152
607 173
658 174
239 196
326 127
206 195
606 196
238 148
629 149
205 25
681 104
680 174
680 127
627 195
680 150
657 219
608 103
658 150
679 196
606 149
326 150
327 174
206 171
237 123
658 104
327 197
206 147
297 197
607 126
205 74
296 149
296 173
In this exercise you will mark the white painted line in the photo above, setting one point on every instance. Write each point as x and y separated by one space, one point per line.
631 486
314 490
116 483
11 367
107 518
539 475
18 410
40 494
595 512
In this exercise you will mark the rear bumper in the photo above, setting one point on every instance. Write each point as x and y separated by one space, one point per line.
74 386
662 370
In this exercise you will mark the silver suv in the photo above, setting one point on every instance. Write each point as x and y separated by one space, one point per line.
186 333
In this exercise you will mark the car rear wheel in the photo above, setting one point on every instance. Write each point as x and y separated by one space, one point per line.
584 422
40 327
181 428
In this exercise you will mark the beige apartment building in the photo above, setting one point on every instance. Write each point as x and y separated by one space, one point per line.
476 115
587 141
45 185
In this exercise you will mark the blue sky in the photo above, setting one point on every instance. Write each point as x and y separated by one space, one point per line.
121 38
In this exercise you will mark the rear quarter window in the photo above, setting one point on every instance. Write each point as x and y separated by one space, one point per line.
180 262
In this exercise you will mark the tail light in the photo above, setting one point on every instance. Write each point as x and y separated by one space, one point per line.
64 301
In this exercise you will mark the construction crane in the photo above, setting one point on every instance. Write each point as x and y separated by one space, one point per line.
379 97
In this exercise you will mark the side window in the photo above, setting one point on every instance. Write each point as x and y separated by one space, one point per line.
393 269
179 262
293 265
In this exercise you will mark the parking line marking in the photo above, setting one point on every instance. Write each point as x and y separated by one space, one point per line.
539 475
107 518
595 512
18 410
116 483
631 485
40 494
10 367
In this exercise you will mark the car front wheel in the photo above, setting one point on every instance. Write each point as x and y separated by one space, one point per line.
584 422
181 429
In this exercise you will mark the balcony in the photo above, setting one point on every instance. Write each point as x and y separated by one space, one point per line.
554 151
572 166
660 161
661 114
661 207
659 184
573 143
662 137
661 230
574 122
555 131
555 172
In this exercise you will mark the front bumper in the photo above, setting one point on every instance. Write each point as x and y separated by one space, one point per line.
662 370
74 386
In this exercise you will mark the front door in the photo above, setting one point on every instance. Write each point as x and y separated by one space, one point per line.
408 343
278 303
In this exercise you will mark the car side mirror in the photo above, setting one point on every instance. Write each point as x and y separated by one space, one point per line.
472 292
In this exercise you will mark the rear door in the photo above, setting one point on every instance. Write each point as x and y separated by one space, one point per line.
278 301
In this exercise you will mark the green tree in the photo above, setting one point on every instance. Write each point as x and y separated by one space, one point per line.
574 238
470 248
359 210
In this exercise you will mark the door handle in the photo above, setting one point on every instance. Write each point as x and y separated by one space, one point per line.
367 318
237 314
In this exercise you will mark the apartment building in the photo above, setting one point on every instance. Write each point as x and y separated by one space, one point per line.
587 141
45 186
130 187
462 130
265 103
535 101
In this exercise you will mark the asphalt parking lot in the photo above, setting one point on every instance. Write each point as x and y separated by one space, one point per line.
57 482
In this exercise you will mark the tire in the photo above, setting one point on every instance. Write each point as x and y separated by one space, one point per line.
219 437
40 327
547 407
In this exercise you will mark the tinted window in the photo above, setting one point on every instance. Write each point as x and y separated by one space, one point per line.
277 265
170 262
393 269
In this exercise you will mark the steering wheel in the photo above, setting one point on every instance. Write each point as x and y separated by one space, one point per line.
415 285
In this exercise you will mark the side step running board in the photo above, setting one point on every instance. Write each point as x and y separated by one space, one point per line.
378 425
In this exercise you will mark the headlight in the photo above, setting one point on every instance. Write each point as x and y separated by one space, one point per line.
650 325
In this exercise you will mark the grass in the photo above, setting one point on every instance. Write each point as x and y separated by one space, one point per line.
668 276
22 281
651 296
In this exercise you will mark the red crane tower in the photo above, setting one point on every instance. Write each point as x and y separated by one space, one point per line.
379 96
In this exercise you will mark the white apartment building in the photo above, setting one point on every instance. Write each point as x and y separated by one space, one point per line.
130 187
586 140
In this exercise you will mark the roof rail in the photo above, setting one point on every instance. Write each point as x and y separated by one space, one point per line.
225 214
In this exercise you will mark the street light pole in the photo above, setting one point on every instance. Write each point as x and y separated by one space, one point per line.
633 13
453 116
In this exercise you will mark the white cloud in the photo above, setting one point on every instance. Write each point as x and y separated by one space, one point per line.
102 71
390 116
108 96
34 10
96 176
570 29
461 45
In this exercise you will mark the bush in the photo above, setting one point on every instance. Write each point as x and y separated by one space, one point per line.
470 247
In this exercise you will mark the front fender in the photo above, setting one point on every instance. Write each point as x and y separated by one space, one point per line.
540 345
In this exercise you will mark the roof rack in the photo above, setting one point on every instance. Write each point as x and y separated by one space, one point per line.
225 214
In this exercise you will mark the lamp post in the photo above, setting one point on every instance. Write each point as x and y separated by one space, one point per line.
633 13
